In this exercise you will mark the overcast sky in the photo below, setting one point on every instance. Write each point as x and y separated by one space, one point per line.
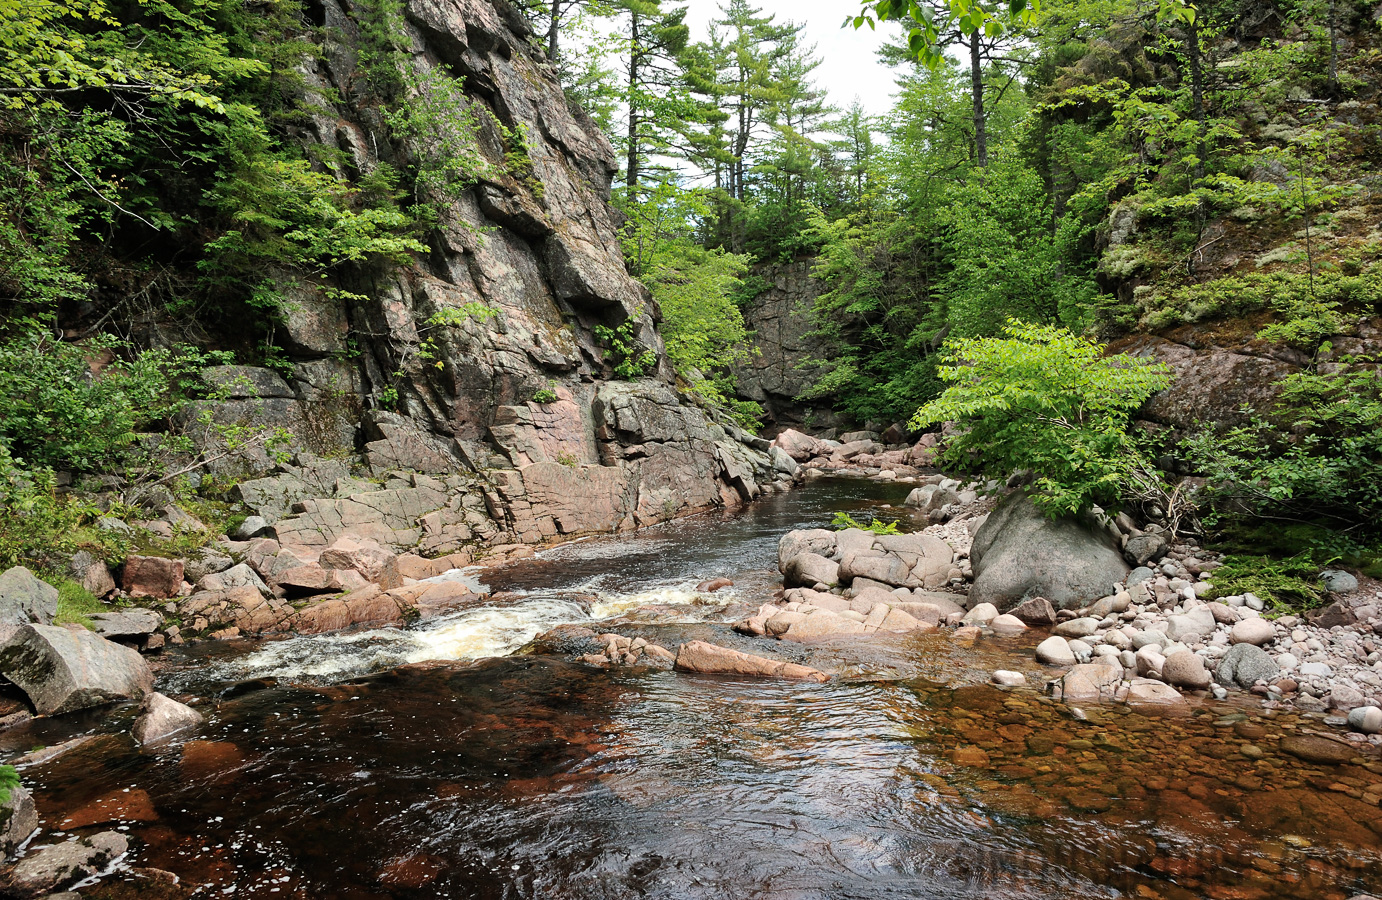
849 68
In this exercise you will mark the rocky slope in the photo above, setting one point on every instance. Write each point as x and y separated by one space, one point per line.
472 380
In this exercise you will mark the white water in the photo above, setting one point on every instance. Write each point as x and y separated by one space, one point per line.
495 629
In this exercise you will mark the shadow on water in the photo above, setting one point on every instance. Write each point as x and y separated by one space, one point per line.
535 777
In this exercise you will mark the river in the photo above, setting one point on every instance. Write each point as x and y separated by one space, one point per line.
360 767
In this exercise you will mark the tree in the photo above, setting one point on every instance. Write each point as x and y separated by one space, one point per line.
1043 400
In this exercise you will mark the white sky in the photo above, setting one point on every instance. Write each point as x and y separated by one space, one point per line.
849 67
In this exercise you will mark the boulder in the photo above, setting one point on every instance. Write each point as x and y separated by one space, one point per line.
162 717
883 568
1005 678
1007 624
709 659
1337 581
794 543
237 576
918 544
800 447
1196 623
127 623
1255 631
1036 611
1186 670
251 528
1146 547
91 573
66 669
713 585
152 576
810 569
371 559
1244 665
1019 553
18 819
1078 628
25 600
1366 719
814 625
63 865
1088 682
982 614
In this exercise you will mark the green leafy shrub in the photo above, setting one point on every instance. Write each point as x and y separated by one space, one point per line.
55 413
1316 457
1044 400
843 520
631 359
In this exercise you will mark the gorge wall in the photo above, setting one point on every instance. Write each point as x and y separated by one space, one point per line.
472 381
787 358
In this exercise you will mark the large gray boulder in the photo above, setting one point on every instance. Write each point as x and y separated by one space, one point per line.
1019 553
67 669
25 600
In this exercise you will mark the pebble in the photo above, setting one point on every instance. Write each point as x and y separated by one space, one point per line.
1009 679
1253 631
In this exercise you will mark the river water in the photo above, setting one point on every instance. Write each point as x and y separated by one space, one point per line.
432 763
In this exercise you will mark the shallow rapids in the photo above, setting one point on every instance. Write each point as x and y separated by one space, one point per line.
428 763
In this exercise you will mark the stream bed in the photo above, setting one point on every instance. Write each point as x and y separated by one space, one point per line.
433 763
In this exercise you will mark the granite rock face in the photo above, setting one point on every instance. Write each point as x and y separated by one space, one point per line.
506 423
788 358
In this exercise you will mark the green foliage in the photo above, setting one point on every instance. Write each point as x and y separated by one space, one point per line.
630 358
1316 457
1043 400
547 394
75 604
1290 585
1309 307
35 521
843 520
55 413
9 780
701 324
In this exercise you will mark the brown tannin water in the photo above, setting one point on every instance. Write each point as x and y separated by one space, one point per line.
330 770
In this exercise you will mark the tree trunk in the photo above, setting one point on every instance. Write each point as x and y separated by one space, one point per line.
553 30
976 79
635 57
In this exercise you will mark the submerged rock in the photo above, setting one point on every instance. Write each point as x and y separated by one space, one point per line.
66 669
162 718
63 865
709 659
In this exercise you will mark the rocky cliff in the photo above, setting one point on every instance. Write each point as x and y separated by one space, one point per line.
787 361
472 380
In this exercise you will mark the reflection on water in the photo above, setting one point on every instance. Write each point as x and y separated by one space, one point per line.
534 777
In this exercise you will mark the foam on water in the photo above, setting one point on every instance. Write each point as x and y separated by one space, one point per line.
477 633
